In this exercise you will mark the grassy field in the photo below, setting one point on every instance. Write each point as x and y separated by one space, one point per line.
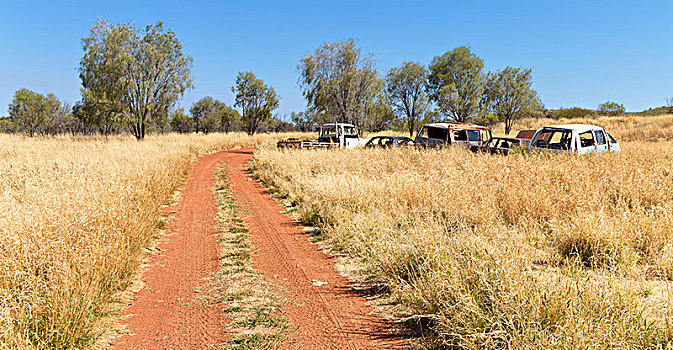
523 251
75 215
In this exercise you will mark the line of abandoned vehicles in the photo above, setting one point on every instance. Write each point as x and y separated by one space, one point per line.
570 138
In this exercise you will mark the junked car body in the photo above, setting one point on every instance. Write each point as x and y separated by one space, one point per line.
470 136
574 138
503 145
389 142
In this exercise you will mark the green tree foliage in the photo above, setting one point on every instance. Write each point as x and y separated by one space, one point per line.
406 86
611 108
456 83
380 114
509 95
95 116
303 121
205 113
137 76
256 99
338 81
229 117
180 122
32 111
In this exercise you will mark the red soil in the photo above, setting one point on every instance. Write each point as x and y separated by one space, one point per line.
329 316
163 315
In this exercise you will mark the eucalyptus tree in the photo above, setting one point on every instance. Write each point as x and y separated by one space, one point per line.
205 115
136 75
338 81
229 116
456 83
611 108
406 86
256 99
510 96
34 112
180 122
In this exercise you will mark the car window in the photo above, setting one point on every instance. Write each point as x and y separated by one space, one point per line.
473 135
459 135
600 137
553 139
433 133
587 139
612 139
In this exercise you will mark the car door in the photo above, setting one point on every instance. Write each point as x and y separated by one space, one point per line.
601 141
587 142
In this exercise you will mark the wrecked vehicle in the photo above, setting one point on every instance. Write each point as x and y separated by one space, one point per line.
389 142
503 145
574 138
470 136
331 135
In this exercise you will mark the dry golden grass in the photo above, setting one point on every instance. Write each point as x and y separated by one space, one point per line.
624 128
75 214
523 251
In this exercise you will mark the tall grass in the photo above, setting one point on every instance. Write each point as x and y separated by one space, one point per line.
523 251
75 214
625 128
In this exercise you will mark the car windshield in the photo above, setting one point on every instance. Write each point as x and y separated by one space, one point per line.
327 130
553 139
433 133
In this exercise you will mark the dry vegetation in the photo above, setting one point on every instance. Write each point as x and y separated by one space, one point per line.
523 251
75 214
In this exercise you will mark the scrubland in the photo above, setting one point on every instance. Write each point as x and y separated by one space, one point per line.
527 251
75 215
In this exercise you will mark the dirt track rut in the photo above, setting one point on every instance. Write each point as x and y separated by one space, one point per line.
163 314
329 316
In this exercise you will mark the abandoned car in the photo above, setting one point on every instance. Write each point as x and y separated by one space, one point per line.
503 145
469 136
389 142
574 138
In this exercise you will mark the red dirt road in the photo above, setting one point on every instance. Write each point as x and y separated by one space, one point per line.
164 314
329 316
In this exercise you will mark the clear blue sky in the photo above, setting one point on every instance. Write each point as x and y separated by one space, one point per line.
582 52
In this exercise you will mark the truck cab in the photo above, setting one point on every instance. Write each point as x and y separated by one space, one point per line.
341 134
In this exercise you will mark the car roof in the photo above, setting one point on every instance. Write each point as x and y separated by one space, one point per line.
506 138
456 126
338 124
577 127
392 137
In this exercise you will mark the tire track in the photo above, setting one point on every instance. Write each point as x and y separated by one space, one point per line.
325 316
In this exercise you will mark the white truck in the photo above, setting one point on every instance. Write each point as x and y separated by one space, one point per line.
331 135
